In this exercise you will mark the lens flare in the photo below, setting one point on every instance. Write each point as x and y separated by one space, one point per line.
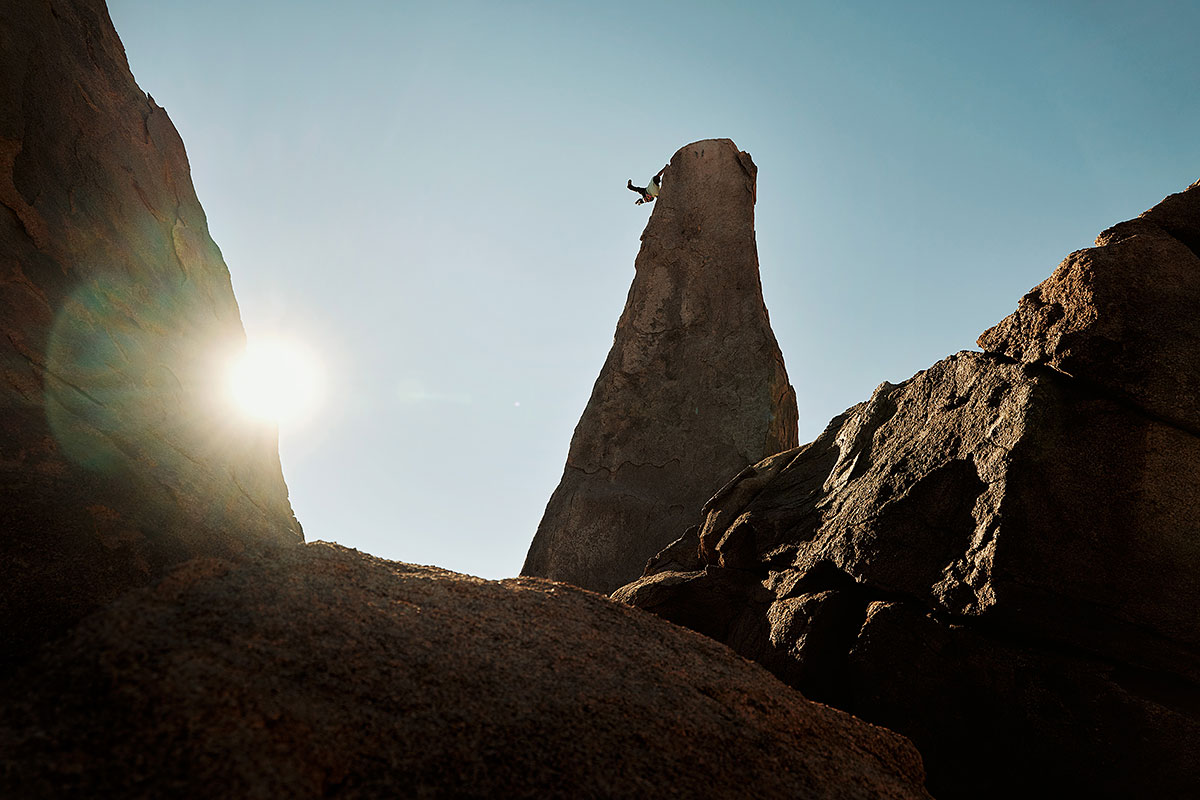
275 380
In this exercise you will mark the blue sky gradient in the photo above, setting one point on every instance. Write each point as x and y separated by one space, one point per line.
432 196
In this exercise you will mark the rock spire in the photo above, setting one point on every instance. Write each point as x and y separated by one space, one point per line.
693 390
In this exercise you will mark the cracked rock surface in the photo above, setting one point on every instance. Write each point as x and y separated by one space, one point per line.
317 671
693 390
118 456
1000 557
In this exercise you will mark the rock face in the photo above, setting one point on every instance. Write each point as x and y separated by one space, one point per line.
317 671
1000 557
117 453
693 390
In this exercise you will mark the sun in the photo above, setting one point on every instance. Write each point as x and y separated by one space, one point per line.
275 380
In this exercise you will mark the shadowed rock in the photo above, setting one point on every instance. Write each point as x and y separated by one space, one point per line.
694 387
1123 315
1000 560
319 672
118 456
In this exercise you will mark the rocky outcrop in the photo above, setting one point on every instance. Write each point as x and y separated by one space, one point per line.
118 456
318 671
1122 316
999 557
693 390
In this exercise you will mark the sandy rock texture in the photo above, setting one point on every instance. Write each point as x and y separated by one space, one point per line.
118 453
693 390
1000 557
317 671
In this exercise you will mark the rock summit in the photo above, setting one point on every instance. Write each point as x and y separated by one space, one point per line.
693 390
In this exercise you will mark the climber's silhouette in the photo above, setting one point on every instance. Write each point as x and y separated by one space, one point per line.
650 192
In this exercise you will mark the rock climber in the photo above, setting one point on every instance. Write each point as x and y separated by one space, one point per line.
649 192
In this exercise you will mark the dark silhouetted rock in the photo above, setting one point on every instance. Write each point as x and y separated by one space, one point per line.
1000 560
693 390
318 671
1123 315
118 456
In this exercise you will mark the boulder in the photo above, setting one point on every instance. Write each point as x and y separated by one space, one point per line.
693 390
999 557
118 454
317 671
1122 315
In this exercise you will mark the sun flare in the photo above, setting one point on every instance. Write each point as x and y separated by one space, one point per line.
275 380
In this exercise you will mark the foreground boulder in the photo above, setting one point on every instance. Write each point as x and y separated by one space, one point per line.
693 390
1000 557
118 454
319 671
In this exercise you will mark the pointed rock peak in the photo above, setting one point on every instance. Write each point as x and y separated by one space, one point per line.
693 390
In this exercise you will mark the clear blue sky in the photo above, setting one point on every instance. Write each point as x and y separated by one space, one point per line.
432 195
